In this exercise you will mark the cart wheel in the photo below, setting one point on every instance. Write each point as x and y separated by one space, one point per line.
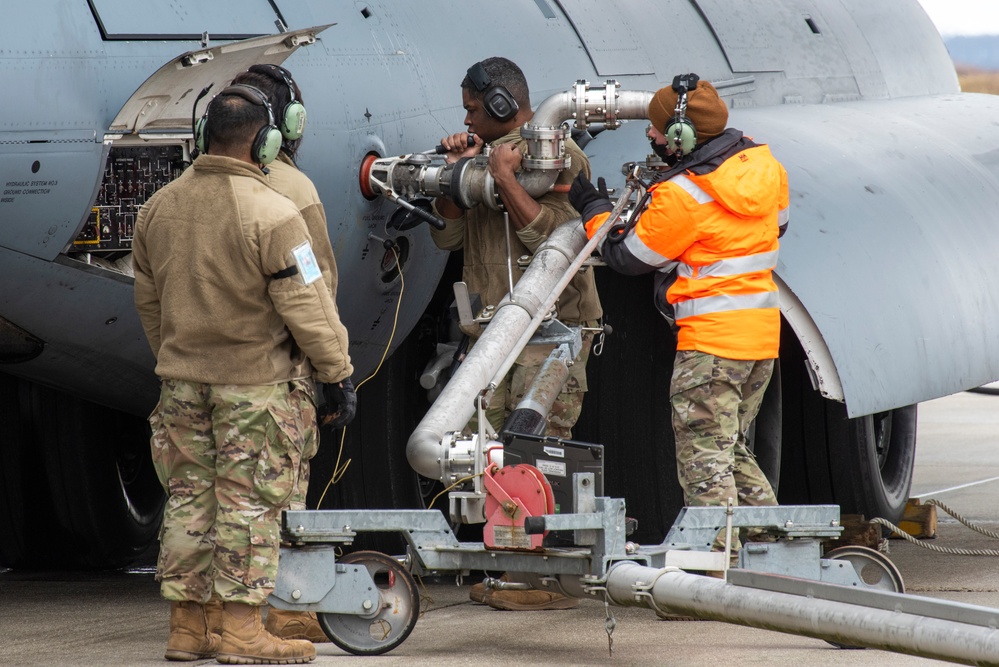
398 608
873 569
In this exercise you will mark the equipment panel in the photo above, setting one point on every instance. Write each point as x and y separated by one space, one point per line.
131 176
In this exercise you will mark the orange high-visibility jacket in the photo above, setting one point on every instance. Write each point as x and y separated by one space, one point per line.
717 223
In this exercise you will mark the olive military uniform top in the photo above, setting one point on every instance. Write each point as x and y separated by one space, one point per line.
482 235
286 178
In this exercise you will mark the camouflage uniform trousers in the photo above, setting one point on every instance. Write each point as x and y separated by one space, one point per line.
714 402
303 395
229 457
568 404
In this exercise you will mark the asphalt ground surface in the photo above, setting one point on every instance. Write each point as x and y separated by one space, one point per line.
115 619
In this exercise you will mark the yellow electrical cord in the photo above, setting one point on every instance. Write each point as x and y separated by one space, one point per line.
338 471
463 479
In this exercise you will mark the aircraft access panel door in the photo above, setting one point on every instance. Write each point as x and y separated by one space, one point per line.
607 38
636 37
828 41
184 19
777 36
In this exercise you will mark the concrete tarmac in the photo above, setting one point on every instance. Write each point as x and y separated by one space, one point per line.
118 619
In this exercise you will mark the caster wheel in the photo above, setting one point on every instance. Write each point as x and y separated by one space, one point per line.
873 569
397 609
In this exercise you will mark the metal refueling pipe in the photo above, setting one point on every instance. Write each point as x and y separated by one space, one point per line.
517 318
530 414
891 629
468 183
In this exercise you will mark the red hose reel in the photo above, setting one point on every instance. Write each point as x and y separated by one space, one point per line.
514 493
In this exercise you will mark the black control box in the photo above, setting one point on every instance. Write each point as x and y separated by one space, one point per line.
558 460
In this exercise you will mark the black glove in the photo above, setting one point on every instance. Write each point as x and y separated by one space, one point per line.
341 404
587 199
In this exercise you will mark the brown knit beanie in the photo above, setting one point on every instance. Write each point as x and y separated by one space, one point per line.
705 110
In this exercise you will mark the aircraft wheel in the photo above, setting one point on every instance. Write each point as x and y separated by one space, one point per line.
396 601
764 437
21 499
79 487
875 475
873 568
863 464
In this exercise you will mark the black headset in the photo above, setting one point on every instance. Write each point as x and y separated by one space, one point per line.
293 114
497 100
266 144
680 133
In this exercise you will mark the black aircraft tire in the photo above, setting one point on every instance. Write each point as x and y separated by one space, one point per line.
863 464
874 475
94 500
765 438
21 498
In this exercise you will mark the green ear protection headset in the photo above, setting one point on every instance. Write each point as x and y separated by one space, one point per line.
266 144
293 114
680 133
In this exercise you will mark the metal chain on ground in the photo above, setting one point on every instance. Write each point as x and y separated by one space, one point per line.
946 550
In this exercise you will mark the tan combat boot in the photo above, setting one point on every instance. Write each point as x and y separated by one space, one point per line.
246 642
190 638
213 614
295 625
529 600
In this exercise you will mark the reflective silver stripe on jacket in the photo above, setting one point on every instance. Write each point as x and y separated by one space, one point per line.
783 216
718 304
731 267
692 189
644 253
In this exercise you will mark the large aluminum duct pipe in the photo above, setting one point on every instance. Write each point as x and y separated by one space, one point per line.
513 321
891 629
585 105
468 183
553 266
517 318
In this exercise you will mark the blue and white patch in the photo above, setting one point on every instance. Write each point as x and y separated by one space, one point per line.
308 267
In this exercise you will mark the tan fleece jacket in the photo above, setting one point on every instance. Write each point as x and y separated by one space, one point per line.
481 233
285 177
205 249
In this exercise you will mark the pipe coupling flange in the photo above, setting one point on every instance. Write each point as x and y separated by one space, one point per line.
610 109
544 143
458 460
597 104
547 164
579 96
